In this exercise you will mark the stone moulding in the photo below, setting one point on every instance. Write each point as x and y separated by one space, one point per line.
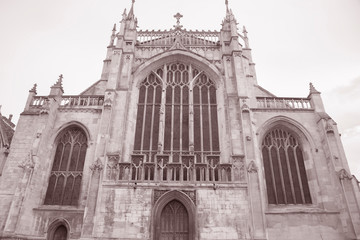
190 194
28 163
97 165
343 174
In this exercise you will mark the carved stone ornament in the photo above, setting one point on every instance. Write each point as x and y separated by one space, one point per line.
343 174
159 193
252 168
28 163
109 97
329 127
97 165
239 167
245 108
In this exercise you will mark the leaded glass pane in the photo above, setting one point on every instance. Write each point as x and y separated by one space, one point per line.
284 166
68 165
178 114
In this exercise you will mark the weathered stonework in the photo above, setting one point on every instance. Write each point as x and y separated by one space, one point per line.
126 193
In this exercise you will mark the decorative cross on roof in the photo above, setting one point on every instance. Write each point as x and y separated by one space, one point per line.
178 16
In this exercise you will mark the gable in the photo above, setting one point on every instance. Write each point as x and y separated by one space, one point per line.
98 88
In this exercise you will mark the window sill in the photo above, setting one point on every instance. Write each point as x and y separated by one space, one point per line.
72 209
297 209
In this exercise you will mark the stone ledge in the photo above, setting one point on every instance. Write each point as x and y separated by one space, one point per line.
281 110
57 208
182 185
298 210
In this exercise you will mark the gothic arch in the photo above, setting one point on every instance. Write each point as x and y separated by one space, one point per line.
285 173
177 55
55 225
151 67
161 203
294 126
68 156
78 124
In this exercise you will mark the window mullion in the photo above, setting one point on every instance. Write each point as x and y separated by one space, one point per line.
162 112
273 176
77 157
210 123
72 190
152 122
144 119
181 113
53 191
61 157
281 174
299 176
201 125
67 172
172 118
191 110
289 170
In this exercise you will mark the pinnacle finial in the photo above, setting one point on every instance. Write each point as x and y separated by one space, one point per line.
59 82
313 89
112 37
124 14
227 5
131 12
34 88
244 30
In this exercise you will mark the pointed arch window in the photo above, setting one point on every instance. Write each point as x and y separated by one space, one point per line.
285 172
66 174
177 114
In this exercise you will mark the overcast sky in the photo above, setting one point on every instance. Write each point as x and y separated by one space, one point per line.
294 42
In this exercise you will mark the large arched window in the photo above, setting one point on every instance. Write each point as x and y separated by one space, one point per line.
177 114
285 172
66 173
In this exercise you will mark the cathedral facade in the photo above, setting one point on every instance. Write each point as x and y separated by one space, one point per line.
177 141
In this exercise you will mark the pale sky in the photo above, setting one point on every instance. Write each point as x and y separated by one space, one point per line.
294 42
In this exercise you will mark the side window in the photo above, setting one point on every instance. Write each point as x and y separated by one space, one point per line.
285 173
65 177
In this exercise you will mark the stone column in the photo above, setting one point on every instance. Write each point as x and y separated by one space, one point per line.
27 165
256 209
351 203
92 198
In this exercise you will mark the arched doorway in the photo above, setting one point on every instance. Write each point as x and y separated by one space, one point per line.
60 233
174 216
174 222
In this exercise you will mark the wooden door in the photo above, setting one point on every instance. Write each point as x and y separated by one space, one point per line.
174 222
60 233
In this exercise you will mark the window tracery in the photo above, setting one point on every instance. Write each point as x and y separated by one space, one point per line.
177 114
66 174
285 173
